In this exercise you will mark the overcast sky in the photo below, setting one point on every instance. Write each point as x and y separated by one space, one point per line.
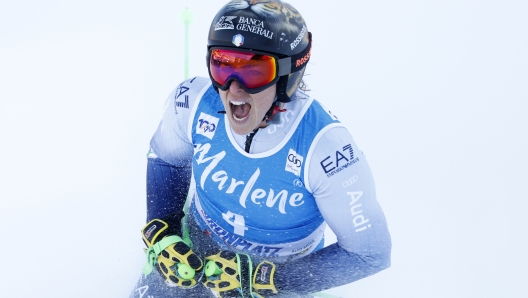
434 92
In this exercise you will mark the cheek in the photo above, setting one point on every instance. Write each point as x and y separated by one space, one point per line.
263 106
265 100
223 94
223 97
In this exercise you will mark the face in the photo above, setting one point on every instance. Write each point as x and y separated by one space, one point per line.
245 111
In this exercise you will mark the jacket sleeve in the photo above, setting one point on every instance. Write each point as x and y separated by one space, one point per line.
169 160
343 186
167 188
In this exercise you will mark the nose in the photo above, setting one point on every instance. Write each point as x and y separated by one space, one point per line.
235 86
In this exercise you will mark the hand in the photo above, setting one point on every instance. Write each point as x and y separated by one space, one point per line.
174 257
232 275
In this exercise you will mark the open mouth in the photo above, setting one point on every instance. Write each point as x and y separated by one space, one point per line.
239 110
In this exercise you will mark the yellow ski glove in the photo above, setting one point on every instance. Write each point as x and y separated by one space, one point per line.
232 275
174 257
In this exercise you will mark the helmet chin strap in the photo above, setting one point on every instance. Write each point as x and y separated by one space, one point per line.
271 116
282 84
282 97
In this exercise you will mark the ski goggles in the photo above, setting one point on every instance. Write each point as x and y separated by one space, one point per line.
254 70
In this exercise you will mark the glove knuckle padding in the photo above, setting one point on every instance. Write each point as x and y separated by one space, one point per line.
186 255
229 274
228 279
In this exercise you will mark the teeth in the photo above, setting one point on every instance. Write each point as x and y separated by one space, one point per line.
237 103
239 119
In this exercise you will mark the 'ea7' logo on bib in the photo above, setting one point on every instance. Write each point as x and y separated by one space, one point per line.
294 162
206 125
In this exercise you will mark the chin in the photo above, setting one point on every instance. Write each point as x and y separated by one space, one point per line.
243 128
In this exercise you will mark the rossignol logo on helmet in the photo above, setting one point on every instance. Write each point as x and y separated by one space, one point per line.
303 60
225 22
296 42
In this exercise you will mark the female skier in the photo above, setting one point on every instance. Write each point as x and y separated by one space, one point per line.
265 168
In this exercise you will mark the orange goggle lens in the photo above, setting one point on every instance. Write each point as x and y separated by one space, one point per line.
251 69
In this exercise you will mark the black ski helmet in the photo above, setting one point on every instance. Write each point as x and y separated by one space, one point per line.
271 26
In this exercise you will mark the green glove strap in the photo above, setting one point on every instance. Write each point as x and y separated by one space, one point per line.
245 272
154 251
185 228
186 238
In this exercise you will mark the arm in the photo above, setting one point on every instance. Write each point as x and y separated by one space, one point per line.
347 201
167 188
170 156
168 179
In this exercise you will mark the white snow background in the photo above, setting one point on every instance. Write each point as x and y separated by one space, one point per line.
434 92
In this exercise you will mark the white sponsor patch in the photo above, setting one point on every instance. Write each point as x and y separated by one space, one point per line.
294 162
207 125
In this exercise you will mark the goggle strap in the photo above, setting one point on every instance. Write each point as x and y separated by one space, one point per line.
296 62
284 66
300 60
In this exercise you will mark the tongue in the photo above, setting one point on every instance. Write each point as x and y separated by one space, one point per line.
241 111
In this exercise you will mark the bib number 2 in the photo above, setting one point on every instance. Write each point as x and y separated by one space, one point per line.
237 221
